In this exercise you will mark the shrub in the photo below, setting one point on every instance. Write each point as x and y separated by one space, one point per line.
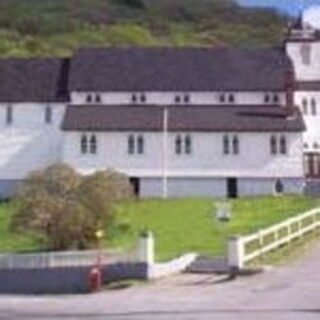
67 207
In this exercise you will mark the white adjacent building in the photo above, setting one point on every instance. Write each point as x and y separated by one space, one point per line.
178 121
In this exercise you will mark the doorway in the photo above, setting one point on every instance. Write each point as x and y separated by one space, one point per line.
232 188
135 184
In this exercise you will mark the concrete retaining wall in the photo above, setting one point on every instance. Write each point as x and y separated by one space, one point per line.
64 280
217 187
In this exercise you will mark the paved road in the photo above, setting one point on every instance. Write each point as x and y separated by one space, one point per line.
285 293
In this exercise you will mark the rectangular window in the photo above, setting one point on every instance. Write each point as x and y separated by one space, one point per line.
9 116
226 145
140 145
131 144
188 145
48 115
135 144
183 144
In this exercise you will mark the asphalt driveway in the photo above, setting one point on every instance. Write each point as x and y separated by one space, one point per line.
286 293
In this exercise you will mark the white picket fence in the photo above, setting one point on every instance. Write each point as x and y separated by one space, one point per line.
144 252
64 259
242 249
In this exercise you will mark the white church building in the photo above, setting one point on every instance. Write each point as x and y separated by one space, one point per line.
177 121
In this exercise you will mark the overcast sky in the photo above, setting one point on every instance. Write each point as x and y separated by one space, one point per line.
289 6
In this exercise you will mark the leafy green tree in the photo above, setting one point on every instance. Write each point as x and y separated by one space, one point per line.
68 208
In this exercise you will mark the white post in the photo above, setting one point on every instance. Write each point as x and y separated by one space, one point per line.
146 248
165 153
236 253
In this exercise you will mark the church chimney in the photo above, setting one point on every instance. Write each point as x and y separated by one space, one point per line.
289 88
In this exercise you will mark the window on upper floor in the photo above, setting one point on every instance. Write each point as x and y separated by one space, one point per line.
222 98
88 144
316 146
313 107
186 98
177 99
231 145
183 144
93 144
267 98
305 106
278 145
134 98
89 98
231 98
136 144
48 114
140 144
178 144
273 145
235 145
283 145
305 146
9 114
97 98
226 144
305 52
84 144
276 98
131 144
187 144
143 98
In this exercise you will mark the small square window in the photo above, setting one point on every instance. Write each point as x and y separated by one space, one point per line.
143 98
89 98
222 98
134 98
186 98
231 98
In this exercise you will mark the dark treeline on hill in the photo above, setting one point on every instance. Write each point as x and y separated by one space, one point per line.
57 27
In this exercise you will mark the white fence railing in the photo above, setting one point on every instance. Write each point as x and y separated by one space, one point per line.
242 249
64 259
144 252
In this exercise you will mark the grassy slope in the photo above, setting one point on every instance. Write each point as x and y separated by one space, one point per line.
189 225
12 241
179 226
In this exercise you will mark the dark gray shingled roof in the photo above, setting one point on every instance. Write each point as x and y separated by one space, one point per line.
33 80
308 85
238 118
174 69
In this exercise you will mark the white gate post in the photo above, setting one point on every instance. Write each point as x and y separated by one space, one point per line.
146 248
236 253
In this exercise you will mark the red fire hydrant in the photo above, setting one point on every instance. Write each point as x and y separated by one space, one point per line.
94 279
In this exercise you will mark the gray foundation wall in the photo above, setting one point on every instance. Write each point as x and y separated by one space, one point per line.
194 187
217 187
184 187
64 280
261 187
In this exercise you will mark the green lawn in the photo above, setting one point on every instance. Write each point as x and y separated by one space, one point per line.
179 226
13 241
188 225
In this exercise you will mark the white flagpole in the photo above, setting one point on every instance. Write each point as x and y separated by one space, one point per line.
165 153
